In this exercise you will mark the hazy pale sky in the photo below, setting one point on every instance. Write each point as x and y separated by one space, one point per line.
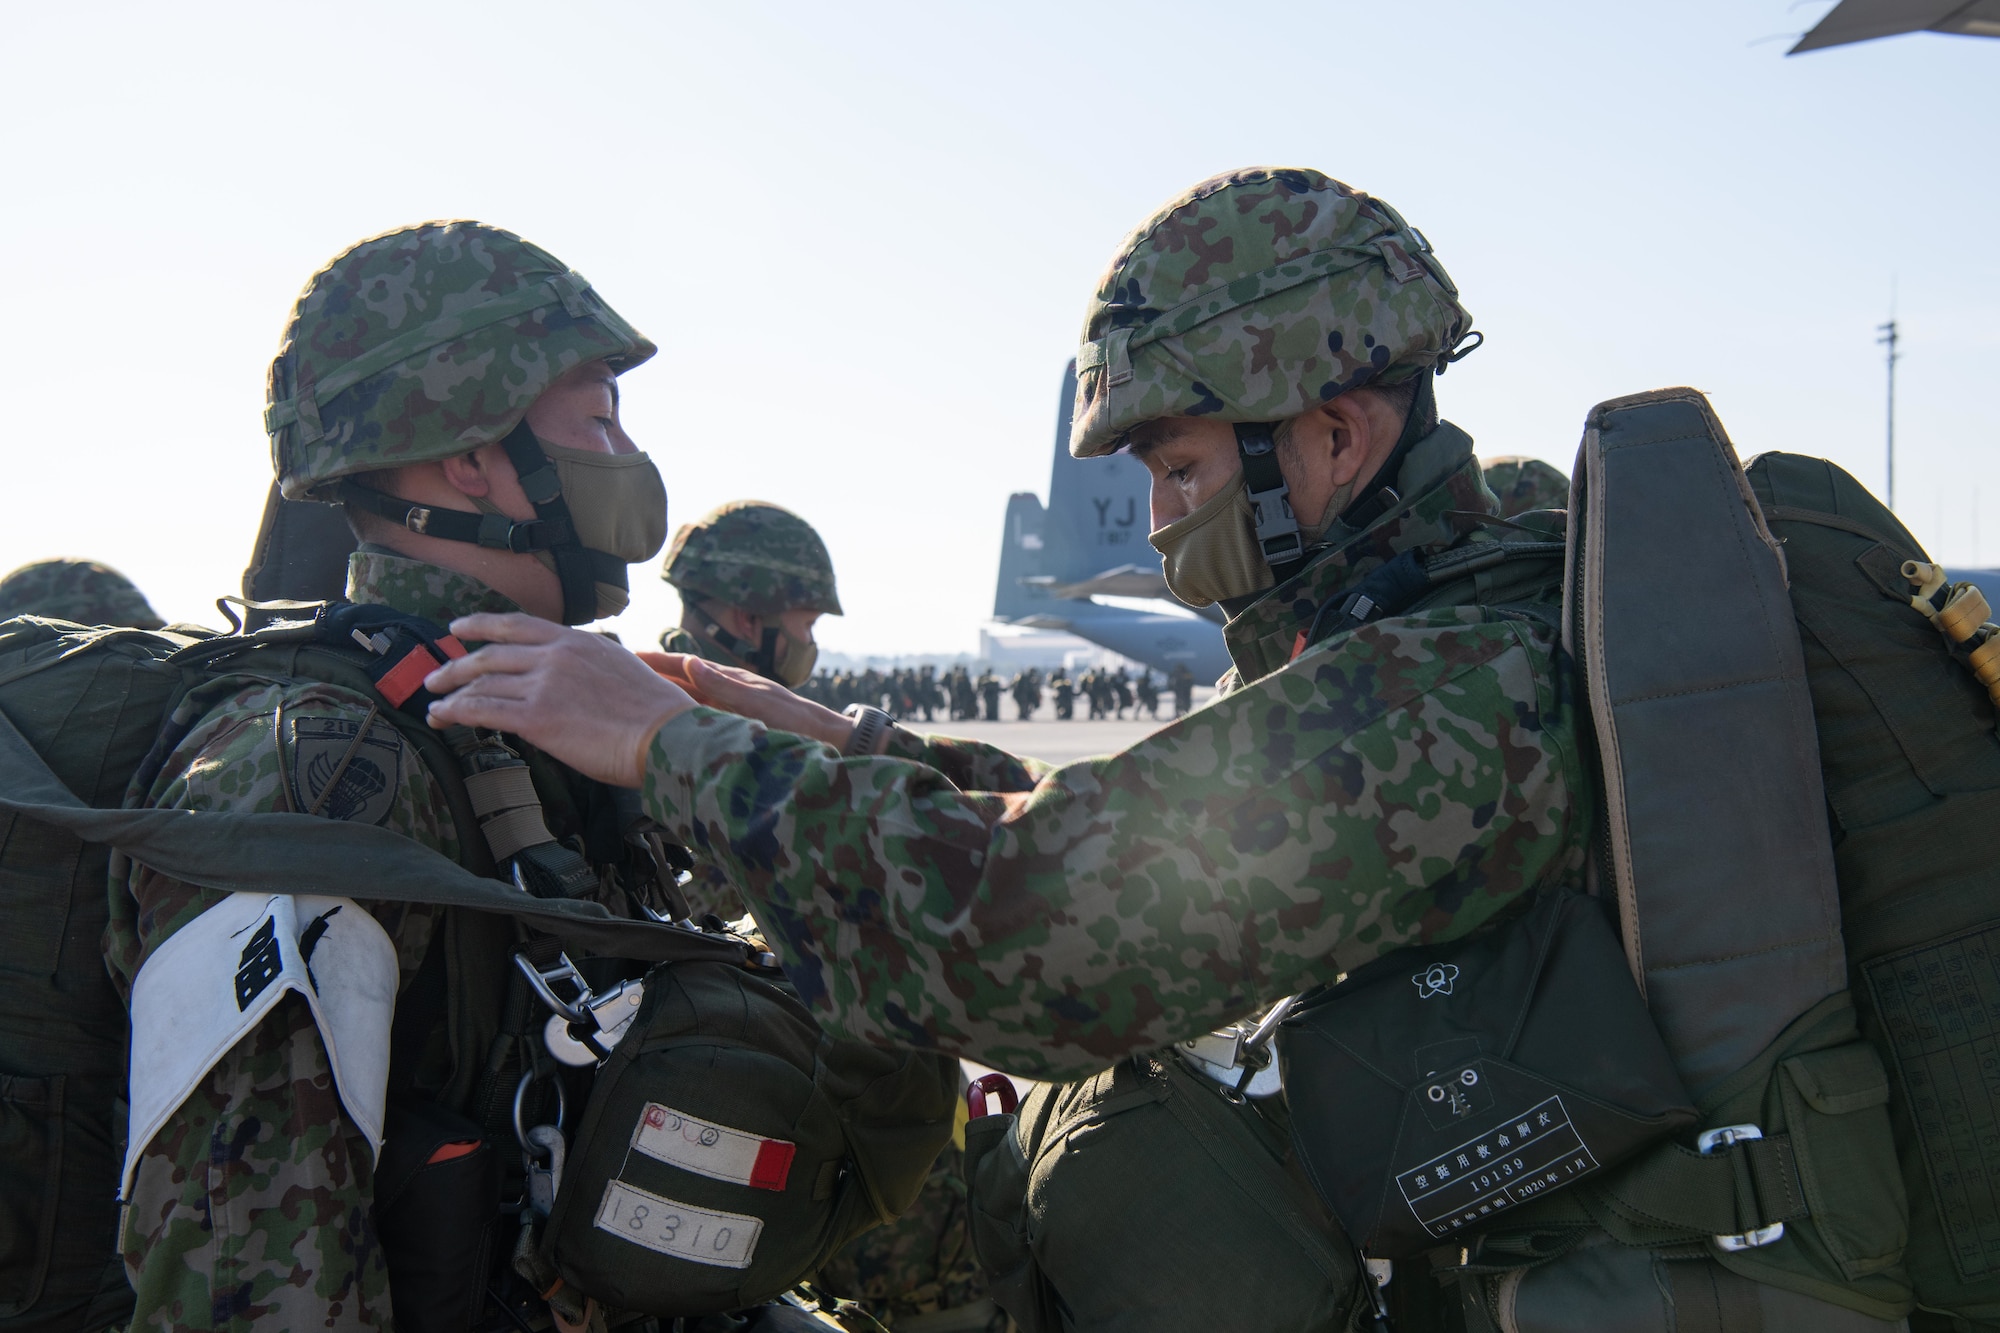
863 235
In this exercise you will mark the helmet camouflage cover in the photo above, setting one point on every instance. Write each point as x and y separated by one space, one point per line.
758 556
1524 484
426 342
1256 296
79 590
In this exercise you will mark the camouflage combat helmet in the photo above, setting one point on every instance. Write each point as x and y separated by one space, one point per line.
1256 296
421 344
79 590
1524 484
758 556
426 342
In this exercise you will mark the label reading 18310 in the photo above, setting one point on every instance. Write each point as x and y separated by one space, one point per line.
726 1240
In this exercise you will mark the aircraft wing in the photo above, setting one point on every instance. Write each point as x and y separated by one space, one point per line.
1865 20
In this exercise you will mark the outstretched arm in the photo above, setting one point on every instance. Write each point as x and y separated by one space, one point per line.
1404 783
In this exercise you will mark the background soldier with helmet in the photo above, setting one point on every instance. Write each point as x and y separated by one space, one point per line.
83 591
753 577
1524 484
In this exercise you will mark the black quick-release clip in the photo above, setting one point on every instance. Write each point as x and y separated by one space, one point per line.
403 649
1388 590
1278 534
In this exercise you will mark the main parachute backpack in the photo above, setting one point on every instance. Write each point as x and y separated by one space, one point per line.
1911 766
86 717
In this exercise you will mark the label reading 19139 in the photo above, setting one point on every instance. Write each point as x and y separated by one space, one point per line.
726 1240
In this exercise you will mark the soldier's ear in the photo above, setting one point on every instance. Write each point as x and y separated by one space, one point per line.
470 473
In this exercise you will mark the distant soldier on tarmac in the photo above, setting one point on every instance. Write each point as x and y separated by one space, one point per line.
1524 484
1026 687
1149 693
753 579
1065 695
1181 682
989 694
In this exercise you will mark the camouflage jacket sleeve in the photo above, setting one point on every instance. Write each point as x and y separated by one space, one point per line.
251 1207
1401 784
967 764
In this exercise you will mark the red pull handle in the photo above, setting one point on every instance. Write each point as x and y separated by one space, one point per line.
975 1094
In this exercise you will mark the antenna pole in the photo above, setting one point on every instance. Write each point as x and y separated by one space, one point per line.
1886 335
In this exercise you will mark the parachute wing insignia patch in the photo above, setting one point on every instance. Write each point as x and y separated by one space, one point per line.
337 769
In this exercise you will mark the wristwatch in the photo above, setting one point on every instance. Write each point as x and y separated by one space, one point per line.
870 724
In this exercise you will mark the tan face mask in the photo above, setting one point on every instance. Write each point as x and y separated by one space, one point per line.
617 501
1212 553
618 505
795 661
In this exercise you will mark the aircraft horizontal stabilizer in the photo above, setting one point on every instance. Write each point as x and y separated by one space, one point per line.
1123 581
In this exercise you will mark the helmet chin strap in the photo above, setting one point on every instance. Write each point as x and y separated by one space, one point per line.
763 658
552 532
1279 536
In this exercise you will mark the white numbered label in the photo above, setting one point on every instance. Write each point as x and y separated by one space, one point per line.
726 1240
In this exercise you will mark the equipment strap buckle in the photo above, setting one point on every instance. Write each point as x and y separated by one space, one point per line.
1722 1138
1237 1058
584 1030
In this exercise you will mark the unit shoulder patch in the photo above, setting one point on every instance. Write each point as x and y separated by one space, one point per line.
342 768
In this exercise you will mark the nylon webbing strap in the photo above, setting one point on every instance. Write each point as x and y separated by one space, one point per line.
575 569
1678 615
511 830
493 531
499 789
1750 1185
1278 534
241 852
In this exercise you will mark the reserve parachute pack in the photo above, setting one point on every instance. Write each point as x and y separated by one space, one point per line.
1798 755
87 718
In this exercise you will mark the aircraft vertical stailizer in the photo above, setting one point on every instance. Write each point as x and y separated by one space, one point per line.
1089 542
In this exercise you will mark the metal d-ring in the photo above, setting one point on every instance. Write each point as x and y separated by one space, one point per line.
521 1096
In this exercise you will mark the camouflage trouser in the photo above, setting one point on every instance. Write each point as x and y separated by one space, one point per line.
919 1266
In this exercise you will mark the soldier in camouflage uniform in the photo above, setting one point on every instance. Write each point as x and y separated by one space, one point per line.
1024 937
1525 484
753 578
1400 781
83 591
406 364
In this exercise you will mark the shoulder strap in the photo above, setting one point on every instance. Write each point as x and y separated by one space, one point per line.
302 854
1676 611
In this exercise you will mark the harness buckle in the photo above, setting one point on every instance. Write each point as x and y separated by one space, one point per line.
1712 1141
417 518
582 1031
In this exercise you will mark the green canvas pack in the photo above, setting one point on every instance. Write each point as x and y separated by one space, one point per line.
62 1023
1142 1198
730 1146
86 717
1911 766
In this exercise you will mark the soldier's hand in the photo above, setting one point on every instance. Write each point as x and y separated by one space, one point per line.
580 697
765 701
